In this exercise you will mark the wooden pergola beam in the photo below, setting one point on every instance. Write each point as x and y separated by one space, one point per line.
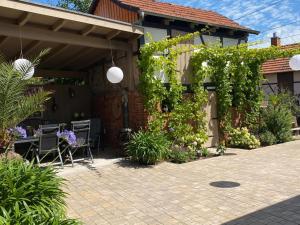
33 33
24 19
80 54
28 49
91 62
2 40
58 25
54 53
58 73
87 30
113 34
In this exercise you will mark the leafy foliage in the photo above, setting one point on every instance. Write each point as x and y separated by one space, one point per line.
31 195
241 138
77 5
186 117
148 147
221 149
237 75
277 117
181 155
267 138
16 101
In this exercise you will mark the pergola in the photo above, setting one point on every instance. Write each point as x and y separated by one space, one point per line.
78 41
81 47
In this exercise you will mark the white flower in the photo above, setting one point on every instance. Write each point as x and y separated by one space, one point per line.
204 64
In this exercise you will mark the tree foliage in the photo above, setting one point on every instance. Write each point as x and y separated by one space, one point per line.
17 102
77 5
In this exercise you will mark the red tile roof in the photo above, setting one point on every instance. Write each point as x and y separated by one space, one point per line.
279 65
183 13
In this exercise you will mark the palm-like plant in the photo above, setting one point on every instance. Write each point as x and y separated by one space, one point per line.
17 102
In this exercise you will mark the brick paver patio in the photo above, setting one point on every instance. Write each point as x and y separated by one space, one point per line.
266 190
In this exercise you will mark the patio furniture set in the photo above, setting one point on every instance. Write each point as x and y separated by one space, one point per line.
55 139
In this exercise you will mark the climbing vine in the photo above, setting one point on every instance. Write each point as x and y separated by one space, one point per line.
235 72
237 75
185 116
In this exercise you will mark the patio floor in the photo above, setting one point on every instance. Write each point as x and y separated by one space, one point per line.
244 187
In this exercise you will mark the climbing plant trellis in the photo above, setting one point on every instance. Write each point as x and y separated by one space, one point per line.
235 71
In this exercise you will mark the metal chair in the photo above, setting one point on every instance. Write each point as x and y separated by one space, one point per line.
96 134
48 142
81 130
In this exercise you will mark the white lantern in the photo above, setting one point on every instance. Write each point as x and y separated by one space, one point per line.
114 75
23 65
295 62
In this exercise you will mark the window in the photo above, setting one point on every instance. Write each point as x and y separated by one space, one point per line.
230 42
286 82
211 40
156 33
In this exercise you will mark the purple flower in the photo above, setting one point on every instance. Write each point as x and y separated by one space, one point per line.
18 132
68 136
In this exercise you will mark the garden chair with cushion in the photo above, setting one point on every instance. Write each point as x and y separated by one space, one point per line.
81 130
48 142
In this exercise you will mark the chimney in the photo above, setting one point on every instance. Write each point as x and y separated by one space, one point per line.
275 41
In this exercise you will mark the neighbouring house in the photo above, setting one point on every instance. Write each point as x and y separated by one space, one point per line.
83 46
279 75
165 20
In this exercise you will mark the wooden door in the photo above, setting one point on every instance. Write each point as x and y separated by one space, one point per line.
286 82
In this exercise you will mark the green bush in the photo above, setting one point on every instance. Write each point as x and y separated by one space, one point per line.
267 138
205 152
241 138
30 195
148 147
179 155
221 149
278 120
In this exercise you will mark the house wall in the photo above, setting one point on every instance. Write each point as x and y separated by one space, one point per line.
273 82
113 10
66 105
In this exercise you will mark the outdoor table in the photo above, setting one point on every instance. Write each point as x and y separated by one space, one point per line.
33 141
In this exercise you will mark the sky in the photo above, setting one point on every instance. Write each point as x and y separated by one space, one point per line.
266 16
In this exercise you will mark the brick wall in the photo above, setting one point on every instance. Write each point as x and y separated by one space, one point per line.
108 107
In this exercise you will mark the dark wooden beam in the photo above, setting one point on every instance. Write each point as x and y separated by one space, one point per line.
2 40
112 34
23 19
58 25
58 73
87 30
31 47
77 56
54 53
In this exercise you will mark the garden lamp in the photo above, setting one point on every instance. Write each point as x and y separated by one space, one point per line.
114 74
24 65
295 62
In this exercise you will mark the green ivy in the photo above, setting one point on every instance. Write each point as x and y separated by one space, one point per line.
237 75
186 116
235 71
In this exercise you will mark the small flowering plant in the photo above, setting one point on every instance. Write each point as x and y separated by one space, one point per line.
17 132
68 136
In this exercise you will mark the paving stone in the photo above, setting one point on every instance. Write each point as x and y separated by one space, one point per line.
267 191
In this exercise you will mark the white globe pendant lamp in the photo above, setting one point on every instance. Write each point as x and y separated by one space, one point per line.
24 65
295 62
114 75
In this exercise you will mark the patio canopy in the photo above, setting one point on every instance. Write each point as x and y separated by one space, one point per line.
77 40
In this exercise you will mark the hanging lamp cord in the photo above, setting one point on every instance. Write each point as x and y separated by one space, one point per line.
111 54
21 44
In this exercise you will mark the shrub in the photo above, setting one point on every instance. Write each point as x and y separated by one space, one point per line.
148 147
31 195
278 120
182 155
241 138
205 152
267 138
221 149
